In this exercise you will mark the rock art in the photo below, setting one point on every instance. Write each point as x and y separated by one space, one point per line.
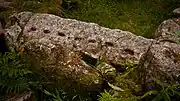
71 50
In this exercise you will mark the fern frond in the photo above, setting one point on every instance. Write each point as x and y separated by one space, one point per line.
151 92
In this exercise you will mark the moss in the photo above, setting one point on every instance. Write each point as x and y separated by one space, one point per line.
107 71
128 85
126 81
128 64
108 97
90 79
4 16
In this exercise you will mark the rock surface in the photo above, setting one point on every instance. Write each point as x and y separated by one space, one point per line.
70 50
160 62
169 30
177 11
5 5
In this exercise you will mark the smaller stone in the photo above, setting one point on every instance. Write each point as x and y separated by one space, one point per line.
177 11
168 30
4 5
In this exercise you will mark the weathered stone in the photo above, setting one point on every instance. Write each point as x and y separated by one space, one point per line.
169 30
5 5
177 11
160 62
67 48
20 96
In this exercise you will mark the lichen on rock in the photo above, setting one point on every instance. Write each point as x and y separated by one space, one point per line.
169 30
67 48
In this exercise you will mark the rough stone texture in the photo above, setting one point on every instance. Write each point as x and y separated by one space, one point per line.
160 62
69 49
20 97
177 11
169 30
5 5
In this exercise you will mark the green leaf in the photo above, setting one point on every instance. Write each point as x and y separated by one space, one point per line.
149 93
48 93
58 98
115 87
75 97
159 97
166 97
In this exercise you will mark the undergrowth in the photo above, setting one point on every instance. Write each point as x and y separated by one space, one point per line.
108 97
17 76
14 73
166 92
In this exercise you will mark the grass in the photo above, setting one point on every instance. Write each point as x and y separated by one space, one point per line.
141 17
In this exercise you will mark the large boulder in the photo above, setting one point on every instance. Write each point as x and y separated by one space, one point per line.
70 50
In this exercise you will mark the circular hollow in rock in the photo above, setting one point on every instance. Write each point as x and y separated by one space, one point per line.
33 29
61 34
46 31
